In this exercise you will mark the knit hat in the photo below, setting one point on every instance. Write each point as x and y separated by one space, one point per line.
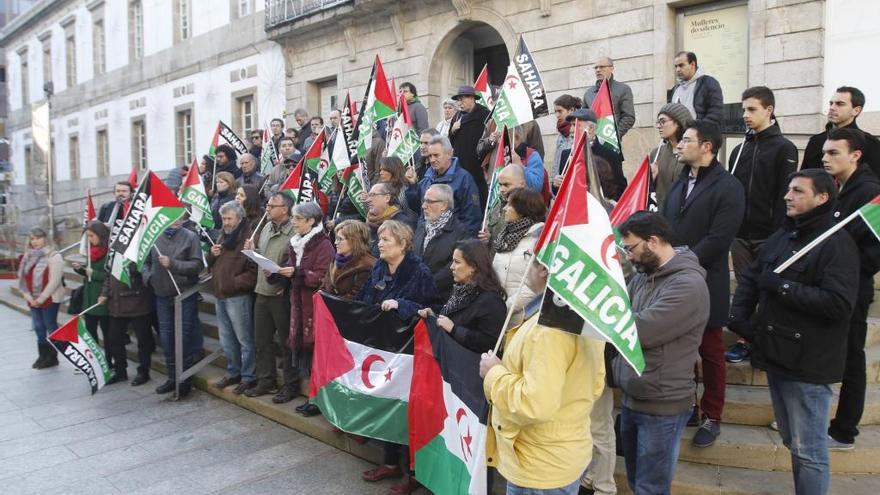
679 113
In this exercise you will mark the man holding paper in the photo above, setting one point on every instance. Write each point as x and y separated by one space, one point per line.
272 307
798 321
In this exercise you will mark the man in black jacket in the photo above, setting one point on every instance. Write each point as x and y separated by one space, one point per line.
122 191
858 185
845 105
467 128
436 237
762 163
704 207
700 93
798 321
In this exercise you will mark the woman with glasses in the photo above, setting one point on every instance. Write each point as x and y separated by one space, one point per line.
524 214
399 282
672 120
392 171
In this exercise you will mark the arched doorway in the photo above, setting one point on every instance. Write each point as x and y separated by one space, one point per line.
460 56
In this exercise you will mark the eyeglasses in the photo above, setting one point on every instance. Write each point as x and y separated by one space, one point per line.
432 201
628 250
688 140
382 284
372 194
662 122
274 206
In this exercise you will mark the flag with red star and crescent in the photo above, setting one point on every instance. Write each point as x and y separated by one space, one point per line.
448 414
522 97
361 368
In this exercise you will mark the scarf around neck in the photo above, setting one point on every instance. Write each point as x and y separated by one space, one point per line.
38 261
513 233
433 228
298 242
96 253
230 240
376 220
563 128
462 296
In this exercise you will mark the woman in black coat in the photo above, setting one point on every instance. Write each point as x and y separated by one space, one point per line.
474 313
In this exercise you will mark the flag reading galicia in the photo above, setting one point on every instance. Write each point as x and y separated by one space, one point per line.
75 343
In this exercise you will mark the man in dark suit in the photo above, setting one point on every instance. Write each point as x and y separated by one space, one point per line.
467 128
705 207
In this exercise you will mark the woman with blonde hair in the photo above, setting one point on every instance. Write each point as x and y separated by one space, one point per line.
39 279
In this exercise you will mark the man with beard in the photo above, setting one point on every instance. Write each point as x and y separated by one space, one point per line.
112 210
235 277
670 305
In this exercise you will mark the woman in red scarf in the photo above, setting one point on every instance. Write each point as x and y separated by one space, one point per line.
93 272
39 279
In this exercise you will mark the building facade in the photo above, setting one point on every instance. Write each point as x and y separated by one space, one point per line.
143 82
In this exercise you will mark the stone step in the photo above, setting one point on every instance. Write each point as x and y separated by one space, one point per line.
701 479
760 448
744 374
751 406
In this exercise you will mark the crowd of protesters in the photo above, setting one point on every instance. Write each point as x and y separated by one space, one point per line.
426 249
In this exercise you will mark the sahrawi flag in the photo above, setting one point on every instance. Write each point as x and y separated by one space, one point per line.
606 127
161 209
403 141
193 193
870 213
481 86
361 368
88 216
343 156
639 195
327 168
447 414
586 293
302 182
502 159
378 104
230 137
522 97
75 343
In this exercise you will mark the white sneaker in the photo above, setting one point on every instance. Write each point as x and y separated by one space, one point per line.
774 426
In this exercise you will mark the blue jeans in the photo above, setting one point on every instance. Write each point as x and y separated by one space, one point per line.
571 489
650 448
44 321
235 317
802 412
192 330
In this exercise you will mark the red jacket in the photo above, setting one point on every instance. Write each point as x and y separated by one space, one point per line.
317 257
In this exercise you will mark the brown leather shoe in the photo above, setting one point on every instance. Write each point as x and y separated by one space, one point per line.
382 472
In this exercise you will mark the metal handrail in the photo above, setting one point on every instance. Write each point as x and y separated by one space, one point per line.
66 201
180 375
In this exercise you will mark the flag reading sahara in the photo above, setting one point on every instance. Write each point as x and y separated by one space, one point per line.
521 98
344 156
448 414
586 293
129 232
639 195
361 368
76 344
230 137
193 193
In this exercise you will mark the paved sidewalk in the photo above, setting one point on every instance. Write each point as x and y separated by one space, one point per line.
55 438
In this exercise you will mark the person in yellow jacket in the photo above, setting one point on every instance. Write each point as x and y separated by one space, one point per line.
541 394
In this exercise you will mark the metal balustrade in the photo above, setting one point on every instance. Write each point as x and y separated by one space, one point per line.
279 12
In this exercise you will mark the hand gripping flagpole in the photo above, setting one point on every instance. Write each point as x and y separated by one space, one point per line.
257 229
168 271
510 311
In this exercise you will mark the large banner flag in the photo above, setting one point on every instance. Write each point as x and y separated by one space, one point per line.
403 141
88 216
639 195
484 91
447 414
75 343
586 292
502 159
230 137
193 193
362 368
161 209
378 104
522 97
606 127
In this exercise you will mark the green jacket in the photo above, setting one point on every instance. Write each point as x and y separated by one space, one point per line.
92 289
273 244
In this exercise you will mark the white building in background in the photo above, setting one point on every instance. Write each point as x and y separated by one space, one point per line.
137 83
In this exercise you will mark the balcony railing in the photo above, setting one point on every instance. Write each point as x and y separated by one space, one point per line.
279 12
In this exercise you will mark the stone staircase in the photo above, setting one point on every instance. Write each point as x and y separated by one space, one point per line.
748 457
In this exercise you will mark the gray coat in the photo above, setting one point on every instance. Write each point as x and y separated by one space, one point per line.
671 308
621 100
186 263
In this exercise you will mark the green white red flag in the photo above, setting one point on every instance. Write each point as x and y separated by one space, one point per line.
447 414
522 97
378 104
870 213
76 344
361 368
606 127
639 195
481 86
88 216
586 292
161 209
403 141
502 159
192 192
